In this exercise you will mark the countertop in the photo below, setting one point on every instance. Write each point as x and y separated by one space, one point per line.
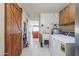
64 38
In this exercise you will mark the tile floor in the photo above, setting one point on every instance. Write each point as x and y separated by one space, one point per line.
35 50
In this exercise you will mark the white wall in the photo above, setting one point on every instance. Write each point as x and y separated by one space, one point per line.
68 28
25 18
2 29
34 22
48 19
34 18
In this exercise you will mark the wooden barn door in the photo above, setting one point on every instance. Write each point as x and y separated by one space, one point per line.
13 17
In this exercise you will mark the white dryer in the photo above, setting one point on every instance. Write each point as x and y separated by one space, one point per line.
61 45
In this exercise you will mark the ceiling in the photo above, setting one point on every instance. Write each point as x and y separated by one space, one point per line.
34 9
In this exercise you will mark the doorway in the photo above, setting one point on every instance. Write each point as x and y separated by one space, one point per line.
35 32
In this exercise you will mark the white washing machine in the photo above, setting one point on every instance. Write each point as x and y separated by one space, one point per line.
61 45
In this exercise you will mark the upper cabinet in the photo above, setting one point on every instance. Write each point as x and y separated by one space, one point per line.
67 15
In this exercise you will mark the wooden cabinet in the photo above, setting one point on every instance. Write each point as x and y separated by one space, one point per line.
60 19
72 13
13 17
67 15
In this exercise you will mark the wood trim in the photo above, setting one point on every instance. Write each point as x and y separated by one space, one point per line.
5 28
67 24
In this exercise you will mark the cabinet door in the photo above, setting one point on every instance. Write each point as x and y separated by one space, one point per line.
72 13
63 18
65 21
67 15
60 19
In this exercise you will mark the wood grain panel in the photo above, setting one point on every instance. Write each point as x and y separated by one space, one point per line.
13 17
67 15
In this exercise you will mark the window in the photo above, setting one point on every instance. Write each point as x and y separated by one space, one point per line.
35 28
